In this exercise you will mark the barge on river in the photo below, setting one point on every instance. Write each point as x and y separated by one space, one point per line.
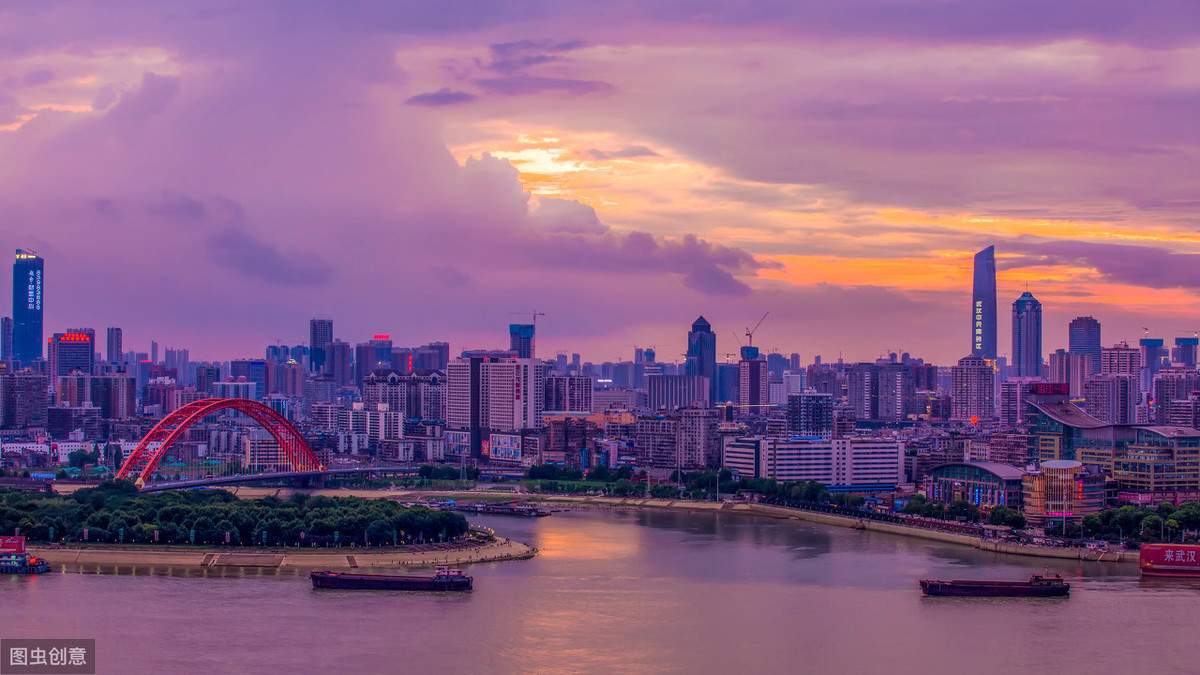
14 559
445 579
1037 586
1170 560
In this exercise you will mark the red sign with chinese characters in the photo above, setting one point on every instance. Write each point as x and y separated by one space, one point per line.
1170 560
12 544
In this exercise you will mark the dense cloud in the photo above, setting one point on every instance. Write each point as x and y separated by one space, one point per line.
212 174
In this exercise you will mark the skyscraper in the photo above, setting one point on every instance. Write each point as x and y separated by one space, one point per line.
1154 353
320 334
973 396
983 305
702 355
72 351
6 338
520 339
28 277
1084 338
1027 336
112 345
1185 350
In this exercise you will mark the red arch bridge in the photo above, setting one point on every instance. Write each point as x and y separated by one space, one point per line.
164 459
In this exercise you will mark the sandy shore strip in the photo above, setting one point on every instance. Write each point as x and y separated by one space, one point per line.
345 558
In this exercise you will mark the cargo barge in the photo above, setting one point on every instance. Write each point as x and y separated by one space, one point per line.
1170 560
15 560
1036 587
445 579
510 509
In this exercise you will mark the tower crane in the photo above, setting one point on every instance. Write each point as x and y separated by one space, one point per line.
750 331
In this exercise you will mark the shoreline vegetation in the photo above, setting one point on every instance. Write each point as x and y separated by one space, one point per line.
114 524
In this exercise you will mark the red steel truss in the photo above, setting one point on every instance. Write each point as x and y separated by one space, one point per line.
144 460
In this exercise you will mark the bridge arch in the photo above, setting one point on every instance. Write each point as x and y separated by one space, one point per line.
144 459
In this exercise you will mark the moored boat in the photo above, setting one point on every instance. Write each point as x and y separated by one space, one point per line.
446 579
14 559
1037 586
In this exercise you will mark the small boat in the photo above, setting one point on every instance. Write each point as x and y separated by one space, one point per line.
22 563
1038 586
446 579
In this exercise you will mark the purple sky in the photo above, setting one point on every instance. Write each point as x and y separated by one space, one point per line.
211 175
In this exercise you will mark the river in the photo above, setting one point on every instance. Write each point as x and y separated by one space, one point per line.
649 591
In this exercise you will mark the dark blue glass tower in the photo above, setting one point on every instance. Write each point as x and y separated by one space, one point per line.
983 305
702 355
1027 336
520 339
28 277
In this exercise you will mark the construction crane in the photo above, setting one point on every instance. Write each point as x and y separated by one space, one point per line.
534 315
750 331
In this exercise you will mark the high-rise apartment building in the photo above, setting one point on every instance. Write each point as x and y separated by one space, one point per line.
491 392
810 414
668 392
252 370
1154 357
27 286
112 345
568 394
1121 359
1027 336
754 386
1072 369
1112 397
1083 337
339 362
6 339
320 336
983 305
973 395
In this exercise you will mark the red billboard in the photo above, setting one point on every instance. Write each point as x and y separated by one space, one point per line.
12 544
1170 560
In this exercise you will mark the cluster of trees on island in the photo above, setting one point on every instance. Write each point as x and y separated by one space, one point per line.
117 512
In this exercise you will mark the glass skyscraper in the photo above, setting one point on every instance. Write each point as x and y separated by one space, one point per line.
1027 336
983 305
1083 337
28 278
520 339
702 355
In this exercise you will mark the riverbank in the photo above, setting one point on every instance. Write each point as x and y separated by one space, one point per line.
995 546
499 549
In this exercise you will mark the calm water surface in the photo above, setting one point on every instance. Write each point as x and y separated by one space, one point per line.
633 592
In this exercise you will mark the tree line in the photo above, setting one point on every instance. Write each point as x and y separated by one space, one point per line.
116 512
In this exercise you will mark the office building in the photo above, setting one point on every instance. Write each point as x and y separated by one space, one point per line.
702 357
320 335
1154 357
983 305
112 345
1083 337
432 356
339 363
521 339
1177 383
72 351
251 370
1184 353
375 354
842 464
27 286
1027 336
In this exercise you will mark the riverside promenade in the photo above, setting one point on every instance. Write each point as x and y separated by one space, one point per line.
283 559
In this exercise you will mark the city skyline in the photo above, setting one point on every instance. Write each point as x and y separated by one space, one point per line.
501 162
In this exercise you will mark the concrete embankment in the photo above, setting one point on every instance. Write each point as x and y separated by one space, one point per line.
281 559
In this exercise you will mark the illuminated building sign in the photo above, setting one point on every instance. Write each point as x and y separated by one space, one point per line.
979 325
